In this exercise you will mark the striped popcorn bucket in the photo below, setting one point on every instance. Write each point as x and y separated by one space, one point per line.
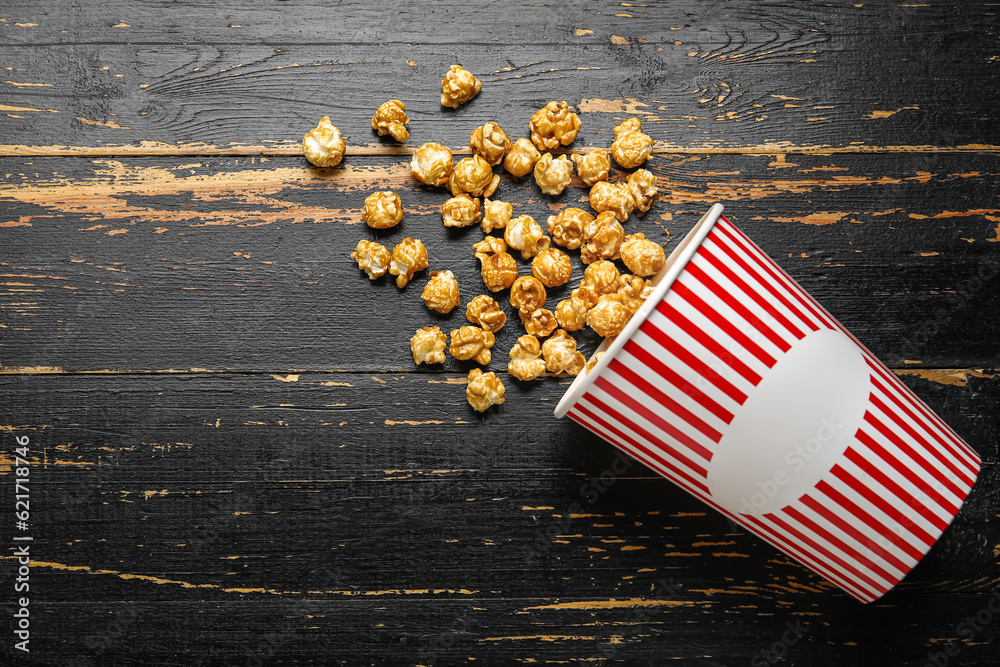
735 384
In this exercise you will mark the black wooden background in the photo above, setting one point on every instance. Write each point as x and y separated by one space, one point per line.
234 460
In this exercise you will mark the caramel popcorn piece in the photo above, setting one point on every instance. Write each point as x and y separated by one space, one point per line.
499 268
594 359
382 210
599 278
524 363
552 267
458 87
526 235
485 312
408 257
496 215
473 175
614 197
561 355
642 256
603 238
567 227
390 118
633 291
490 142
521 158
552 125
631 146
427 346
484 390
432 164
593 166
541 322
526 294
553 175
441 292
571 313
609 316
323 146
472 343
372 258
460 211
642 187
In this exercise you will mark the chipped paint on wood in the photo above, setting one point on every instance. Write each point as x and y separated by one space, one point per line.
958 377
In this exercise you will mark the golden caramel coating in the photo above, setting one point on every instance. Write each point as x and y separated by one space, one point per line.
460 211
593 166
552 125
372 258
631 146
471 343
525 234
553 175
323 145
473 175
408 257
458 87
432 164
609 316
602 238
524 363
486 312
541 322
642 187
496 215
567 227
552 267
484 390
490 142
633 291
382 210
561 355
594 359
521 158
599 278
499 268
526 294
571 313
391 118
614 197
441 292
427 346
642 256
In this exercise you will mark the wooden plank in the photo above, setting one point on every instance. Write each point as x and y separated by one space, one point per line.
169 264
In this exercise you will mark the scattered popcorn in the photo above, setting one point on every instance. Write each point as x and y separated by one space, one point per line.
633 291
525 364
460 211
553 175
499 268
594 359
521 158
390 118
631 146
541 322
552 125
408 257
552 267
609 316
490 142
561 355
471 343
599 278
526 235
614 197
372 258
571 313
432 164
441 292
593 166
603 238
526 294
485 312
473 175
382 210
323 146
427 346
642 256
458 87
567 227
496 215
642 187
484 390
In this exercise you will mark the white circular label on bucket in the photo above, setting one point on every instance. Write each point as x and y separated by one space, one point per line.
793 427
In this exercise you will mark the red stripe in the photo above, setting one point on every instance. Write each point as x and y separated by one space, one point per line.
901 466
752 292
721 293
878 501
643 409
689 389
711 314
696 364
864 540
707 342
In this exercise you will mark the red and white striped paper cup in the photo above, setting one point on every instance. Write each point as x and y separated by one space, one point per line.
735 384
